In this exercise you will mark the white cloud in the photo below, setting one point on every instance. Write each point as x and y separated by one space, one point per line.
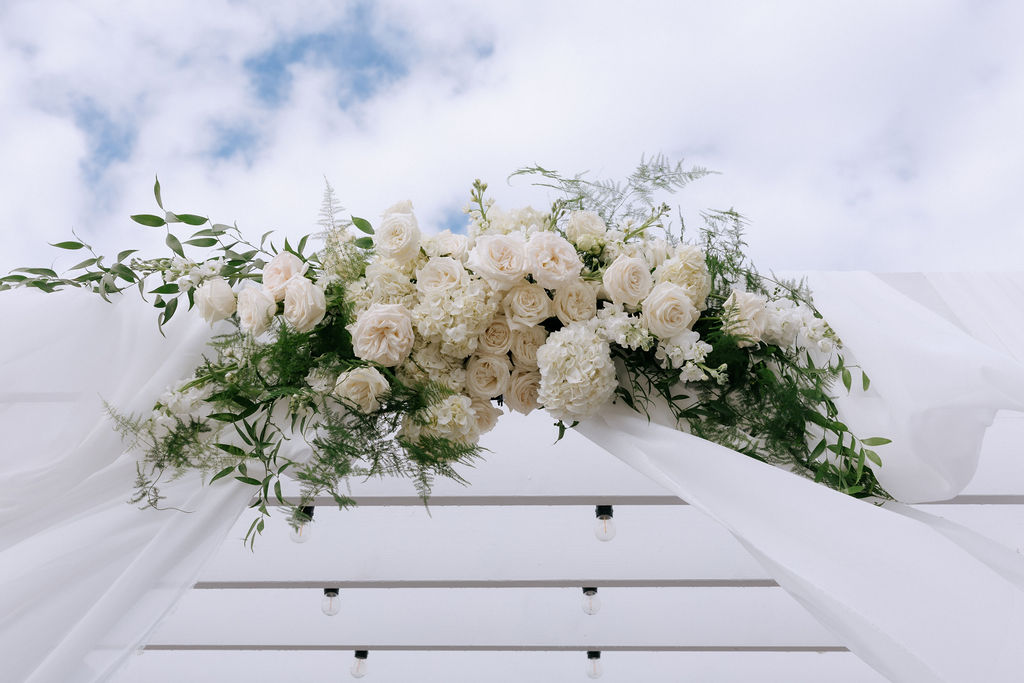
855 135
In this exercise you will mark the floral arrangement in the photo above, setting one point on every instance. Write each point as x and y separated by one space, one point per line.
391 350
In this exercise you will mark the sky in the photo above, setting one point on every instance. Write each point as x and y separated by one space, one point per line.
854 135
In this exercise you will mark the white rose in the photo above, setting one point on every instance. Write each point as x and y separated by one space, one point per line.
279 271
215 300
304 304
487 376
553 262
668 310
575 303
526 305
497 338
656 250
499 259
383 334
688 268
361 387
523 389
446 243
525 344
398 236
440 274
627 280
256 308
487 414
585 229
746 316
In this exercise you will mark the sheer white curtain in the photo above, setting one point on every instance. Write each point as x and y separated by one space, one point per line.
917 597
83 575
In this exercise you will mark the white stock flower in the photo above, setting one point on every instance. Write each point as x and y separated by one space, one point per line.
746 317
362 387
668 310
522 392
586 229
487 376
577 375
681 349
496 339
627 280
279 271
618 327
383 334
525 344
499 259
446 243
304 304
256 309
215 300
526 305
783 321
575 303
440 274
688 268
553 262
398 236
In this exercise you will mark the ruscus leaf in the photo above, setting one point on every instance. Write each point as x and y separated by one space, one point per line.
149 220
362 224
67 245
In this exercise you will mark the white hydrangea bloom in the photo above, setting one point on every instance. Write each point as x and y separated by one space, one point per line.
577 375
452 418
426 363
386 282
456 317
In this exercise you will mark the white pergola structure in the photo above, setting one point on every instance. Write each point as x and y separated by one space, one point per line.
487 585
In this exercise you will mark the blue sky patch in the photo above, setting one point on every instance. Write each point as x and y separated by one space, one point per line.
233 141
454 219
110 140
363 63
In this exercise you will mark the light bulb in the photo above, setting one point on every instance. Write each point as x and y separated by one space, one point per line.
359 664
604 529
591 603
331 603
594 669
301 532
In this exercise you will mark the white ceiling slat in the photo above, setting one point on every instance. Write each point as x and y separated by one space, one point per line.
500 667
502 617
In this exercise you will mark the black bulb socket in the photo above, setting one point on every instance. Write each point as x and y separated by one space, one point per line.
362 654
603 512
593 654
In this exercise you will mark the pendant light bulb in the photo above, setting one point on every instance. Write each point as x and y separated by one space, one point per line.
594 669
591 603
331 603
300 533
359 663
604 529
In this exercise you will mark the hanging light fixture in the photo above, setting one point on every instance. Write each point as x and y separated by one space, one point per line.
300 533
594 669
591 603
604 529
331 603
358 669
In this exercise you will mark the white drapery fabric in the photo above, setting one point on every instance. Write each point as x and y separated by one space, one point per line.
917 597
84 577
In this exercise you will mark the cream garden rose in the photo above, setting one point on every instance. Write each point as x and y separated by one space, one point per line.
398 236
215 300
486 413
487 376
627 280
668 310
688 268
383 334
304 304
525 344
446 243
586 230
526 305
282 268
747 316
496 339
522 392
440 274
575 303
256 309
552 261
499 259
362 387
